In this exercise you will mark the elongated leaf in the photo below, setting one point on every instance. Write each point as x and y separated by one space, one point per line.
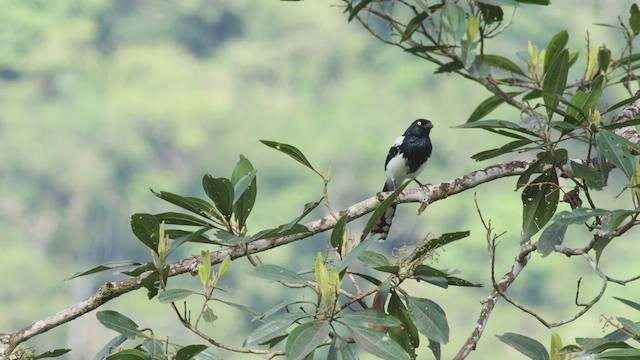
633 304
406 335
190 351
113 320
621 124
175 218
540 200
535 2
555 47
173 295
108 347
52 354
495 124
531 348
505 149
453 20
341 350
579 215
105 266
487 106
272 328
220 190
338 232
532 169
304 339
614 147
128 354
439 242
277 273
623 102
414 25
429 318
555 81
155 347
592 177
372 316
356 9
452 66
245 190
195 205
428 48
354 253
373 259
551 236
503 63
146 227
456 281
378 213
290 150
377 343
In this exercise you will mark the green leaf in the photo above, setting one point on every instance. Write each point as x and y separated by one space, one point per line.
377 343
379 212
155 348
338 232
220 190
354 253
630 326
429 318
190 351
453 20
244 200
188 236
272 328
615 148
507 148
532 169
579 215
540 200
175 218
634 305
113 320
535 2
128 354
373 259
487 106
452 66
551 236
277 273
407 334
592 177
621 124
290 150
555 47
341 350
146 227
623 102
105 266
372 316
414 25
427 48
304 339
439 242
531 348
173 295
359 6
495 124
613 219
631 354
52 354
195 205
634 19
108 348
505 64
555 81
555 347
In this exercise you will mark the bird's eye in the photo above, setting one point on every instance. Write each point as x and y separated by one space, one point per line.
419 123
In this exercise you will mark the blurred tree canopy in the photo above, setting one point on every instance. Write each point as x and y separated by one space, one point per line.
101 101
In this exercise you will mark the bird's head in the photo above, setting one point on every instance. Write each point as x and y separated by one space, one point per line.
420 127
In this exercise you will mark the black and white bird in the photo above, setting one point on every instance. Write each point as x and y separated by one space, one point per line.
406 160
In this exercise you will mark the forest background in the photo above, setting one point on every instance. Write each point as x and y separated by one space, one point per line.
101 101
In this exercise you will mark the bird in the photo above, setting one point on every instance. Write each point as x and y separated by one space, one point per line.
406 159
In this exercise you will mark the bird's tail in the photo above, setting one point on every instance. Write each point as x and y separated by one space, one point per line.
383 225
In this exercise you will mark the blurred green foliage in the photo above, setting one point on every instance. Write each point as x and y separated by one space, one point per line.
100 101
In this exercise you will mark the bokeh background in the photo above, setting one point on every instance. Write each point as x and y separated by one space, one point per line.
102 100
